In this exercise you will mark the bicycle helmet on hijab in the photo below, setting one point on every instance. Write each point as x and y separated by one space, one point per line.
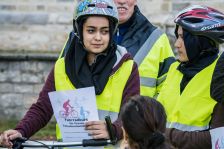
204 21
87 8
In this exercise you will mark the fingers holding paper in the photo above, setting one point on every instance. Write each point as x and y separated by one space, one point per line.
97 129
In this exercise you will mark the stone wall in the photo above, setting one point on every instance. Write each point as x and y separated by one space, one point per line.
32 33
20 84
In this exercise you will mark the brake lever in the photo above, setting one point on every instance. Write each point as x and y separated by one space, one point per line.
110 130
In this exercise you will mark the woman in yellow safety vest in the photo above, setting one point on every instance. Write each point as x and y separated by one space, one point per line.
193 92
93 59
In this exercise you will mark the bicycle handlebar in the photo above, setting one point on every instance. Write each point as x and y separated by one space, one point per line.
19 143
52 144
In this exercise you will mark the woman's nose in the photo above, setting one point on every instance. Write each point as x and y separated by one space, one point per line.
177 43
98 36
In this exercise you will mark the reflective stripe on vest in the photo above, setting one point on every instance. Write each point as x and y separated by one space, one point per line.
109 101
151 82
148 59
192 109
147 46
186 127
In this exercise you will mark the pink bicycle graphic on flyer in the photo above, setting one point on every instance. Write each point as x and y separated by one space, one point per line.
71 112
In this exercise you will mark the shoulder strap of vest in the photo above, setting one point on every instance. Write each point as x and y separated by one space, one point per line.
120 52
147 46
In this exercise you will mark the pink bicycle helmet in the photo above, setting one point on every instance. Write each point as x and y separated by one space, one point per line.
202 20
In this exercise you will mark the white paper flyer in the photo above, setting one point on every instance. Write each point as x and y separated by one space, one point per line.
217 136
72 109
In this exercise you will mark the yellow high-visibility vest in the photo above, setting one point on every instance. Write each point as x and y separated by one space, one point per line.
109 101
191 110
153 52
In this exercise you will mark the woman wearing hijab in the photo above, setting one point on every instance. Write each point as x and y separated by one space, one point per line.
94 60
193 92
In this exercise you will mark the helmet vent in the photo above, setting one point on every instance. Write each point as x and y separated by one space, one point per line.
100 5
220 28
219 17
202 13
193 20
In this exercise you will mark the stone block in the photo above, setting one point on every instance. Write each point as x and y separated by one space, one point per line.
52 18
64 19
29 99
31 78
61 8
37 88
26 7
45 66
11 100
3 76
14 76
29 67
37 18
7 114
41 7
7 7
23 88
15 66
3 66
23 18
10 76
6 88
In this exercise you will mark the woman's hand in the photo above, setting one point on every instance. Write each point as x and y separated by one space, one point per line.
97 129
9 135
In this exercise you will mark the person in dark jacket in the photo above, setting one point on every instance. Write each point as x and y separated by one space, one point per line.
193 93
93 59
148 45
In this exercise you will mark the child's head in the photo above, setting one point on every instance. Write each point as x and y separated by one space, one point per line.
144 122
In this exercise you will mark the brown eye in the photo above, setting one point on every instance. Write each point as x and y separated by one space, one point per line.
104 32
90 31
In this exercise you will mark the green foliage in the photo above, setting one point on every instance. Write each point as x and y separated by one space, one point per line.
46 133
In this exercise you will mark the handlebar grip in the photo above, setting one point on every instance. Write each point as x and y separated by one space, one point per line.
92 142
17 143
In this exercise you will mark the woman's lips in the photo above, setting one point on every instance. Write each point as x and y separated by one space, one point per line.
97 45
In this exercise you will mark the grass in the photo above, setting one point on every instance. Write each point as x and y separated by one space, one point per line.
46 133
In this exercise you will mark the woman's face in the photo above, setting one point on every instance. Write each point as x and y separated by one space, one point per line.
96 34
179 45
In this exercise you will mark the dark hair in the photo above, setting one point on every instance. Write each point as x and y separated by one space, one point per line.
144 120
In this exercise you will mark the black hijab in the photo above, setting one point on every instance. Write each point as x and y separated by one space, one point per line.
77 68
201 52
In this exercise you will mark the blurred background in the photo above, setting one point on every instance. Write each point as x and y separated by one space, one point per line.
32 34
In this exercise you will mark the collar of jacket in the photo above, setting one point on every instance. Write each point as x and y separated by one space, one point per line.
138 30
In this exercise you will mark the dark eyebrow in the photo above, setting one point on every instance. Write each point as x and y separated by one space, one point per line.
101 27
